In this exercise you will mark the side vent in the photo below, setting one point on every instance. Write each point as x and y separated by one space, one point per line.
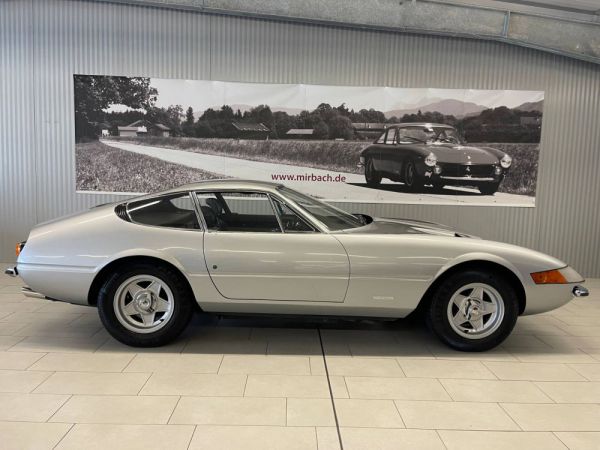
121 211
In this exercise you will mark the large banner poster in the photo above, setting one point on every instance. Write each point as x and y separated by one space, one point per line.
337 143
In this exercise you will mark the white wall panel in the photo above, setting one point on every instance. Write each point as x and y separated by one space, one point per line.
43 43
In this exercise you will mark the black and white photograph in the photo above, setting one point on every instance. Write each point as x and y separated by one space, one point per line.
337 143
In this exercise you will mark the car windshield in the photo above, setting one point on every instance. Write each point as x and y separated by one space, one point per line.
332 217
429 135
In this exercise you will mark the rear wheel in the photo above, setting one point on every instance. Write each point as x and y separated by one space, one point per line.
412 180
372 176
473 310
145 306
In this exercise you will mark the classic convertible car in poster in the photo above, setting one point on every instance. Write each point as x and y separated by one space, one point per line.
232 247
418 154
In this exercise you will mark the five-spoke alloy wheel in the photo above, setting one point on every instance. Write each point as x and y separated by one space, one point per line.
144 305
473 310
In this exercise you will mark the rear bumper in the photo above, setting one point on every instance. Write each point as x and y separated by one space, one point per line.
28 292
66 283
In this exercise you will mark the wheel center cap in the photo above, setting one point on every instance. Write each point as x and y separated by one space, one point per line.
471 308
143 301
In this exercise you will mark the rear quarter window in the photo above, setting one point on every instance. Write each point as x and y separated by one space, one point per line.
174 211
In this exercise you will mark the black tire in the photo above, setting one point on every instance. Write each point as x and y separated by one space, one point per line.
182 306
372 177
489 189
436 314
412 180
438 186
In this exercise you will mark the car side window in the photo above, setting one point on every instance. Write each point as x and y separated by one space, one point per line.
238 211
391 136
291 222
381 139
173 211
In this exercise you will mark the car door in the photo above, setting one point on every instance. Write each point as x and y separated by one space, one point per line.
388 151
254 253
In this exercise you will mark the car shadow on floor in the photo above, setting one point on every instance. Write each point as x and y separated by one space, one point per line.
309 336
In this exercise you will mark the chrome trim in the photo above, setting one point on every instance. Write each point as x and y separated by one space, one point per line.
11 271
28 292
580 291
467 178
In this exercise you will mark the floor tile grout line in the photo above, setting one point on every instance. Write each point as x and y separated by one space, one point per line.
35 362
144 383
335 415
135 355
70 396
173 412
64 436
510 416
554 433
245 384
192 436
50 374
399 414
437 431
220 364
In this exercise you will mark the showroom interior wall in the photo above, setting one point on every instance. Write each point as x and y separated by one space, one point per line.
43 43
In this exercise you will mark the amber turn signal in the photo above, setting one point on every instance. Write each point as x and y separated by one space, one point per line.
18 249
549 277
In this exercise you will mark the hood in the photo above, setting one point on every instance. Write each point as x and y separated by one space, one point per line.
407 226
462 154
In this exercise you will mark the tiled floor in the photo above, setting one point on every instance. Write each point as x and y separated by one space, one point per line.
262 383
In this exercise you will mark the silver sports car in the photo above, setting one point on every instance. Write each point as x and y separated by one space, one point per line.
233 247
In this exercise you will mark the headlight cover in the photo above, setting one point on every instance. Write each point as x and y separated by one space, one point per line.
431 160
506 161
557 276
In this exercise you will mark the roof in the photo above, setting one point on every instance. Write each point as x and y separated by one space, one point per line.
248 126
230 183
145 123
421 124
300 131
129 128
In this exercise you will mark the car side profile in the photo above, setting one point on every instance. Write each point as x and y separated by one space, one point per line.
235 247
419 154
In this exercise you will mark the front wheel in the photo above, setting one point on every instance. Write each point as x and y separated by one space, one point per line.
144 305
372 177
473 311
412 180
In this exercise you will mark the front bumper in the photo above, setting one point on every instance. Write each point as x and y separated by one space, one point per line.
463 174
